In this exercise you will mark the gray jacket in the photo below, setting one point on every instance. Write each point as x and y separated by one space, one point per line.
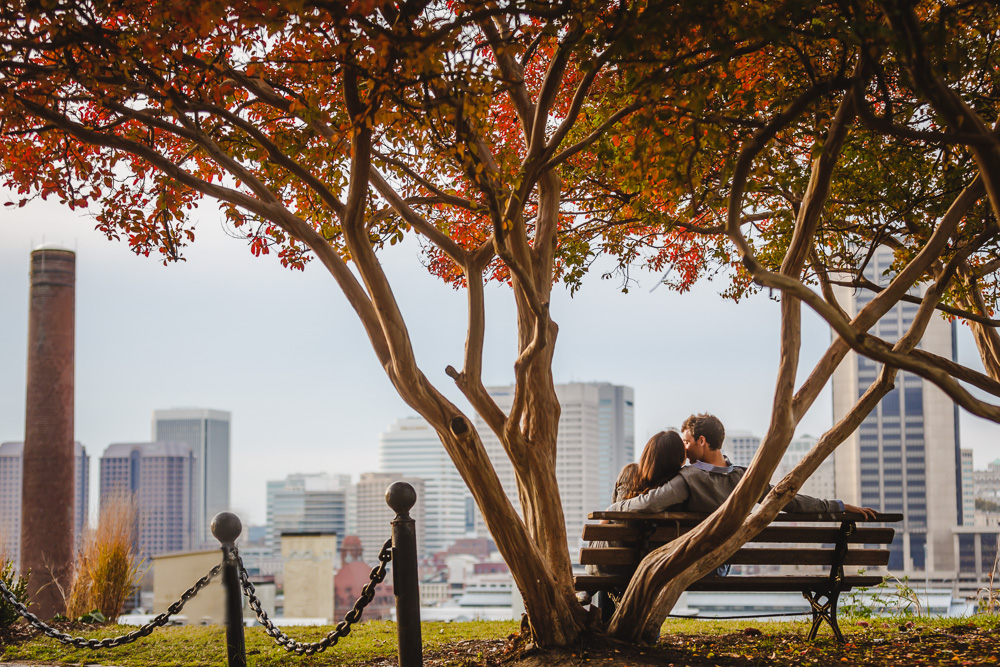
702 487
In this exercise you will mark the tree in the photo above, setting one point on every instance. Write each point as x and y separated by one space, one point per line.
519 141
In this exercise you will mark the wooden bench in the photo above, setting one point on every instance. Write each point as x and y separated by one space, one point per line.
832 540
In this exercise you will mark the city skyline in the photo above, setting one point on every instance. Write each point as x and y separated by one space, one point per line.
283 353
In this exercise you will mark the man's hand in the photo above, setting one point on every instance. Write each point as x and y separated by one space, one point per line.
867 511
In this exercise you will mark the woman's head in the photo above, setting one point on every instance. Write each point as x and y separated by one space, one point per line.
661 459
627 485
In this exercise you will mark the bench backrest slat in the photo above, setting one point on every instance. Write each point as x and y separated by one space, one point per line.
619 532
755 556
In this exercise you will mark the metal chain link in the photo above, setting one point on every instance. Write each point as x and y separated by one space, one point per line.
110 642
343 628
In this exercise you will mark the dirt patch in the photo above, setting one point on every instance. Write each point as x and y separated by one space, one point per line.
884 644
591 650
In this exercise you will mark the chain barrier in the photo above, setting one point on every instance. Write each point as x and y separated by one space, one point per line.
343 628
110 642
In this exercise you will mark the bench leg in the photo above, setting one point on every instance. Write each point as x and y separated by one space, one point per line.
824 611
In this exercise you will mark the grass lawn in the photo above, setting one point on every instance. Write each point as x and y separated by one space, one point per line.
895 641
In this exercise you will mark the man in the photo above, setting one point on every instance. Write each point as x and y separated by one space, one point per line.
705 484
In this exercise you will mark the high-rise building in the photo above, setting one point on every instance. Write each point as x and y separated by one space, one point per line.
905 455
740 447
374 516
306 503
968 490
158 475
821 483
10 497
986 483
412 447
596 439
206 432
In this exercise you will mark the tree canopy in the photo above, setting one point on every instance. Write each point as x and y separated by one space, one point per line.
520 141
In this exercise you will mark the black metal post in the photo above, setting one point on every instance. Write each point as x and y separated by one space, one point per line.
400 496
226 527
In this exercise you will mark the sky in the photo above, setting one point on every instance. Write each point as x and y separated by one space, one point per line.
284 353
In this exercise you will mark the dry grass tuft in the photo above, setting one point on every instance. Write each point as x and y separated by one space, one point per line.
108 567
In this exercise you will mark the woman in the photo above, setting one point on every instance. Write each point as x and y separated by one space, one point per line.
662 458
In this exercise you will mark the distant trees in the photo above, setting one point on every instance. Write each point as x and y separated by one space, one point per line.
783 141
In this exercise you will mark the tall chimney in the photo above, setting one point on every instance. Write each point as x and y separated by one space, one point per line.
48 481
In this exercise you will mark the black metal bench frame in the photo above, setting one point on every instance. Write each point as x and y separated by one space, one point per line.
831 545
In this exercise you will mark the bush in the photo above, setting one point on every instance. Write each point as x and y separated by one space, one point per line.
108 567
18 586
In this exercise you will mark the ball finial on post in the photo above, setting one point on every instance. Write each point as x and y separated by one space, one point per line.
401 497
226 527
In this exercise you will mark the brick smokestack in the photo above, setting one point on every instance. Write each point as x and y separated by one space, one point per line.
48 481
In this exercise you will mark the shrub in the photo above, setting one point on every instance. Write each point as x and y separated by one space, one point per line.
15 584
108 567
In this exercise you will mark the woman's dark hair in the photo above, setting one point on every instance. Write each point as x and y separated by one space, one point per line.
662 458
627 485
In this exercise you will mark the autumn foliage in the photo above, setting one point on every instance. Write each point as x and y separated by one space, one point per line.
774 143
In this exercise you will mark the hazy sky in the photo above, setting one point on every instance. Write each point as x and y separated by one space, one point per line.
283 352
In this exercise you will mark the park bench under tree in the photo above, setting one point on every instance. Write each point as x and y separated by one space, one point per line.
833 540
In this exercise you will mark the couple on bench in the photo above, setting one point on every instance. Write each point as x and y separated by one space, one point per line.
660 482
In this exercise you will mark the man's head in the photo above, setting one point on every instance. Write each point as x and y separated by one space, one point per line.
703 436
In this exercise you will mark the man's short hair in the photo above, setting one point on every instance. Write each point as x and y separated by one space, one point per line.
706 425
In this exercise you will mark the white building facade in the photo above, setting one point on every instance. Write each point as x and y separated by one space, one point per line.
411 447
374 516
596 439
742 446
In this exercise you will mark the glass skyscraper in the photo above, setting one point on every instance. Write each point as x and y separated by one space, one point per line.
307 503
206 432
905 456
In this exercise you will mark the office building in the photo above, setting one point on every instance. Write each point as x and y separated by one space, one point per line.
821 483
968 490
986 483
306 503
740 447
411 447
374 517
158 475
206 432
596 439
10 497
905 455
